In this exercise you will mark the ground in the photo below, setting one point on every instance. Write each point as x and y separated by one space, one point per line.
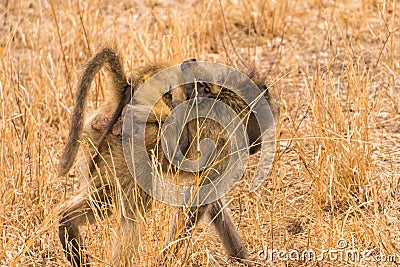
334 66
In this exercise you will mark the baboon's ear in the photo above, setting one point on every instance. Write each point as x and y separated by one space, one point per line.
185 65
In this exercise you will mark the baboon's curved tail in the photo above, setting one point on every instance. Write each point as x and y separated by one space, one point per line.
104 56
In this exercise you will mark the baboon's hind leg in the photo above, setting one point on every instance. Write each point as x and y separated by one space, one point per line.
75 215
79 210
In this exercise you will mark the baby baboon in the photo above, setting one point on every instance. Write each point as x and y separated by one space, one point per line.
102 161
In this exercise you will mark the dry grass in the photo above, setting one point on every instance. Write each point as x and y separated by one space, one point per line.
334 64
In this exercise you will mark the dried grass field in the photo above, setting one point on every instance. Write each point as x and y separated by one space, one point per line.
334 66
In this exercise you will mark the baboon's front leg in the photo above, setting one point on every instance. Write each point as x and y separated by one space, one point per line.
227 231
224 225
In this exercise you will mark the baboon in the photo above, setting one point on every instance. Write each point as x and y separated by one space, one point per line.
102 163
206 128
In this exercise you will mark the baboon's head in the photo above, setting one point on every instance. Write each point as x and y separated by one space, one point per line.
199 88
